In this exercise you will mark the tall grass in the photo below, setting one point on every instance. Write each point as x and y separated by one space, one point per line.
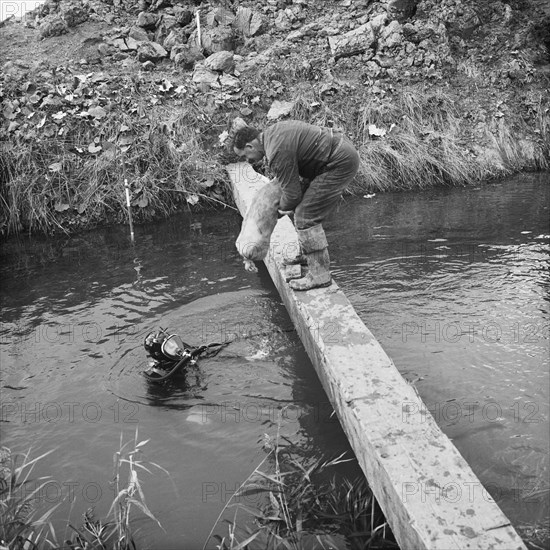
427 136
295 507
23 527
76 180
70 174
418 139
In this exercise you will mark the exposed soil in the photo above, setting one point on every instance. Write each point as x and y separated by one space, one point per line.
23 45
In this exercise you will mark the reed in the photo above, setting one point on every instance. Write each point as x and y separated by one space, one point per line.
23 525
299 508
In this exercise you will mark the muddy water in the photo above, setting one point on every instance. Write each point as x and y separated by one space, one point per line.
452 282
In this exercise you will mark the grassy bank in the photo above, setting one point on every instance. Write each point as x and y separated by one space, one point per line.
169 155
72 134
51 182
418 139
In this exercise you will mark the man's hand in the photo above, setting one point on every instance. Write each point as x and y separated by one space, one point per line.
281 213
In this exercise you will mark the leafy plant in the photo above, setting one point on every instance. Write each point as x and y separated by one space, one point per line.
298 509
21 526
118 533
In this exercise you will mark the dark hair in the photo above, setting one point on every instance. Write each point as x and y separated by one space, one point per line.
245 135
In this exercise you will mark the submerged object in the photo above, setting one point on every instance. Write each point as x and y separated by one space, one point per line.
170 355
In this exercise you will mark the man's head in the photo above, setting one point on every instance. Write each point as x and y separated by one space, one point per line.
246 143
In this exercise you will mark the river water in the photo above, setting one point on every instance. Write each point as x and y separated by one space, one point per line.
452 282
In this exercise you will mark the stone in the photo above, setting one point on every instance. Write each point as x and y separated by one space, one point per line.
329 31
54 26
280 109
185 55
217 39
132 43
164 26
119 43
150 51
220 61
176 36
139 34
74 15
183 16
126 44
311 29
202 74
401 10
353 42
283 21
147 20
248 22
160 4
219 16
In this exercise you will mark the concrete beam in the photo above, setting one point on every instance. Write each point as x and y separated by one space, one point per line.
429 494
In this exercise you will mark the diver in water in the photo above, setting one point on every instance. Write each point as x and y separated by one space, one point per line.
313 166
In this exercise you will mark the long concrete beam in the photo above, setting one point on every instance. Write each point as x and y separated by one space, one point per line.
429 494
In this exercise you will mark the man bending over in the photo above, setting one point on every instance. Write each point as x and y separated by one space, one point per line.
327 163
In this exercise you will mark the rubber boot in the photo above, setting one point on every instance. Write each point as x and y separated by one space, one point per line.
314 244
300 259
295 271
290 266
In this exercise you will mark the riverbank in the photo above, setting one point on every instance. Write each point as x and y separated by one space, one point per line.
448 93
